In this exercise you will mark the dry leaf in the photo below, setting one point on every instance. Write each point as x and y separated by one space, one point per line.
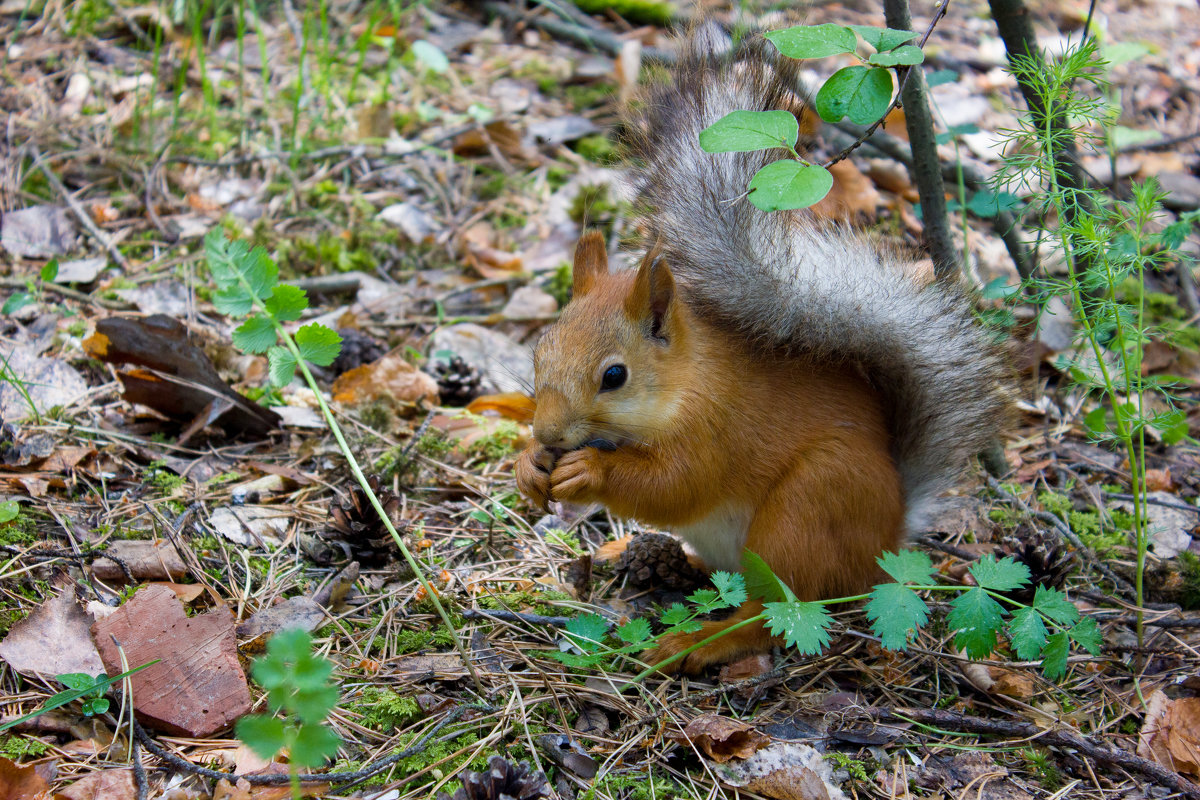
1170 734
721 738
106 784
785 771
54 639
390 376
745 668
21 783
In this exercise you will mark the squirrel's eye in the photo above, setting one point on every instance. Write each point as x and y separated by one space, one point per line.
614 378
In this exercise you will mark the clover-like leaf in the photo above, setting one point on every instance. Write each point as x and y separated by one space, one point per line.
261 733
1054 604
255 335
785 185
318 344
1027 633
883 38
858 92
731 587
747 131
1086 634
907 566
804 626
281 366
896 613
999 575
761 582
813 41
1054 656
313 745
287 302
635 631
587 631
977 619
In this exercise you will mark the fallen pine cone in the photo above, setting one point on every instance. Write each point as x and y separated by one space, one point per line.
355 523
657 560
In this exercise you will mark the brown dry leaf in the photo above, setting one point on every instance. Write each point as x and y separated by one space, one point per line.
389 376
437 665
54 639
1012 683
105 784
146 560
895 124
1170 734
721 738
103 212
501 135
510 405
1159 480
492 263
21 783
853 194
797 783
785 771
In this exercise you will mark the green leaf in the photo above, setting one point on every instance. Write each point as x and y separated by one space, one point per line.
813 41
261 733
313 745
906 55
587 631
9 510
804 626
1054 657
97 706
255 335
290 645
675 615
784 185
883 38
999 576
1096 420
860 93
50 271
746 131
1054 604
635 631
907 566
281 366
1027 633
986 204
77 681
242 275
896 613
318 344
313 705
287 302
977 619
1086 634
705 600
429 56
761 582
732 588
15 302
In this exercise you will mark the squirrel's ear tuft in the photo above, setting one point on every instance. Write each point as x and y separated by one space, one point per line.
653 293
591 261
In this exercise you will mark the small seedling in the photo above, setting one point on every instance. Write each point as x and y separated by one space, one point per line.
298 685
94 701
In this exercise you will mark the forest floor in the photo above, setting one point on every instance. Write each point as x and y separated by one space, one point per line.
423 172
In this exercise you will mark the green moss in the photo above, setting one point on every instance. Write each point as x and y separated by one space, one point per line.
586 96
22 529
161 478
1043 768
651 12
1057 504
16 747
384 710
498 444
857 769
560 284
1005 517
411 641
645 786
1189 572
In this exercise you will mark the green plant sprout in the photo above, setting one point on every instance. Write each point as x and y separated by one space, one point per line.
92 688
247 283
32 293
1103 246
1042 631
297 684
861 92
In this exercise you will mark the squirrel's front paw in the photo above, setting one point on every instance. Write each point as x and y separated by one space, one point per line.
532 471
578 476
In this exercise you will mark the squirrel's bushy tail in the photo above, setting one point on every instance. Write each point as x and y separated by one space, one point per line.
788 282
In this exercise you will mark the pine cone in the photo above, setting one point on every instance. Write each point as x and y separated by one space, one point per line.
657 560
355 522
358 348
1048 560
502 781
458 382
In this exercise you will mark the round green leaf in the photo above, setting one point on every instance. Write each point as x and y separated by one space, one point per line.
784 185
430 57
883 38
814 41
746 131
262 734
906 55
9 510
313 745
860 93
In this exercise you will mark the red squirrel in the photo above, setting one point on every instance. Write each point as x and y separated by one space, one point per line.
760 381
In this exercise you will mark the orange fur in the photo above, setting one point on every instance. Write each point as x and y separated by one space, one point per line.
796 451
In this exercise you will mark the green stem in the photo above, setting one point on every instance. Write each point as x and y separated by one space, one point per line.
646 673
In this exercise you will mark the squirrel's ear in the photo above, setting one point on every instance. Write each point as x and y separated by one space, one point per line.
653 292
591 261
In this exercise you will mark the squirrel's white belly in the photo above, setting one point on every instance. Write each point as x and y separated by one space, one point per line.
720 537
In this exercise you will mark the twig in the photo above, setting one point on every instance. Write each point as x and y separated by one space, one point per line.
515 616
79 211
1160 144
941 11
588 37
67 291
926 168
1059 737
1154 501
